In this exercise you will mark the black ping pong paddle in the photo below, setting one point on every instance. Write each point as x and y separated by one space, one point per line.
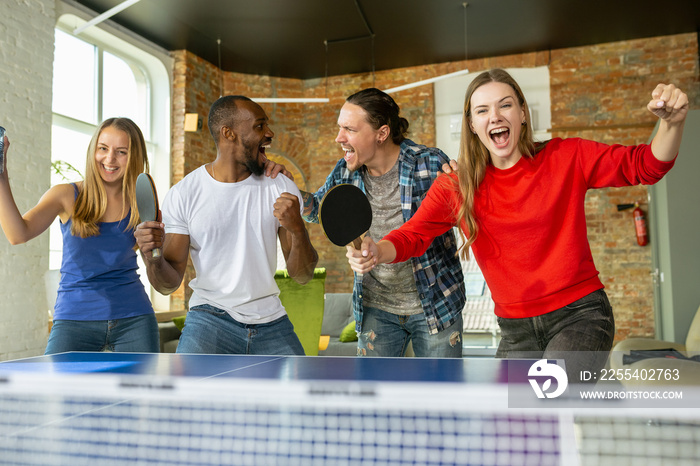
345 215
147 201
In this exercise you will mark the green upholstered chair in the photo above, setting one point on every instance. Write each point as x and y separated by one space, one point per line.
304 305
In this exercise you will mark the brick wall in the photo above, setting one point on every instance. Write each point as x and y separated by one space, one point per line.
601 93
26 69
598 92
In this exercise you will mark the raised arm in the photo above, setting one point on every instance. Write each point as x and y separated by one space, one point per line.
299 253
18 228
670 104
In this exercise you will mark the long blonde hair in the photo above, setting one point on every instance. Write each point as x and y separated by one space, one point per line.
474 157
91 203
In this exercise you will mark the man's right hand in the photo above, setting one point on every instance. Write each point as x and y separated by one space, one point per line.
272 169
150 236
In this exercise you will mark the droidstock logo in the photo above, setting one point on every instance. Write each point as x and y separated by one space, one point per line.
545 372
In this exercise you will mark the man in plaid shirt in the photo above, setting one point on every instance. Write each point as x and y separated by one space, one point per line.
421 300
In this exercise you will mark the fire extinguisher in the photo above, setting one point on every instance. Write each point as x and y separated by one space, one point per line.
640 223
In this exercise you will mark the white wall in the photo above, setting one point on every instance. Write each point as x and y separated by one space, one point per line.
26 79
675 223
449 105
26 70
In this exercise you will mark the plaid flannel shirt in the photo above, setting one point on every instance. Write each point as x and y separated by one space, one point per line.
438 272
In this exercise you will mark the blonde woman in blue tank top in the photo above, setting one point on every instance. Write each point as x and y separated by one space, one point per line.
101 304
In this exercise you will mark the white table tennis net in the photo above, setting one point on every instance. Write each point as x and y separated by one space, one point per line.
174 423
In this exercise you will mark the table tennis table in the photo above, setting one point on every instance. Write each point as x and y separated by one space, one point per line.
177 409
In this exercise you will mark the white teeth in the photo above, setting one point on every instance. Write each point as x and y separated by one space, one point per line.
499 130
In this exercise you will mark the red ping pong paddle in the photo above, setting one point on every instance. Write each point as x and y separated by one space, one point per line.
147 201
345 215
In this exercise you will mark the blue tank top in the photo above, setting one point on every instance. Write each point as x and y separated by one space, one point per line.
99 279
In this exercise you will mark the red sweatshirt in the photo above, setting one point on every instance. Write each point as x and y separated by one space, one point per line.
532 245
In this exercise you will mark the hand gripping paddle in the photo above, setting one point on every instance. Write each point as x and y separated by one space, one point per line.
345 215
147 201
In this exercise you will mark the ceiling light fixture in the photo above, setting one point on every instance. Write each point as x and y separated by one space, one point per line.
285 100
282 100
425 81
105 16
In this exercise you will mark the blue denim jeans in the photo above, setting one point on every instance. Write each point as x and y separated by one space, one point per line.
130 335
386 334
581 334
209 330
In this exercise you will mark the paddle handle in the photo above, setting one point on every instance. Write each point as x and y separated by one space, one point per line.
155 252
357 242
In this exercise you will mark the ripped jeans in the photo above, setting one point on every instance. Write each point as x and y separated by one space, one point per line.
385 334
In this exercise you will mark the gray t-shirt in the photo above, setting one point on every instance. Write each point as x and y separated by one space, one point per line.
389 287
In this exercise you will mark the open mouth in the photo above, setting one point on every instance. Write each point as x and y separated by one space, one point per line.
261 151
349 153
109 169
500 136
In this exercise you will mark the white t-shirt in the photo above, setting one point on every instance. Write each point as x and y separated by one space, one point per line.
233 241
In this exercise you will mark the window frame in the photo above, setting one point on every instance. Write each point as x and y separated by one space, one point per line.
152 67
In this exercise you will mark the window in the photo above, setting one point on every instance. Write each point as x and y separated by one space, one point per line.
90 85
98 75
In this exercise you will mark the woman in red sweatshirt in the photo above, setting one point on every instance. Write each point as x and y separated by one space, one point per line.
520 206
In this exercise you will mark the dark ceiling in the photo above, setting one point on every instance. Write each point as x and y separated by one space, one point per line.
286 37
